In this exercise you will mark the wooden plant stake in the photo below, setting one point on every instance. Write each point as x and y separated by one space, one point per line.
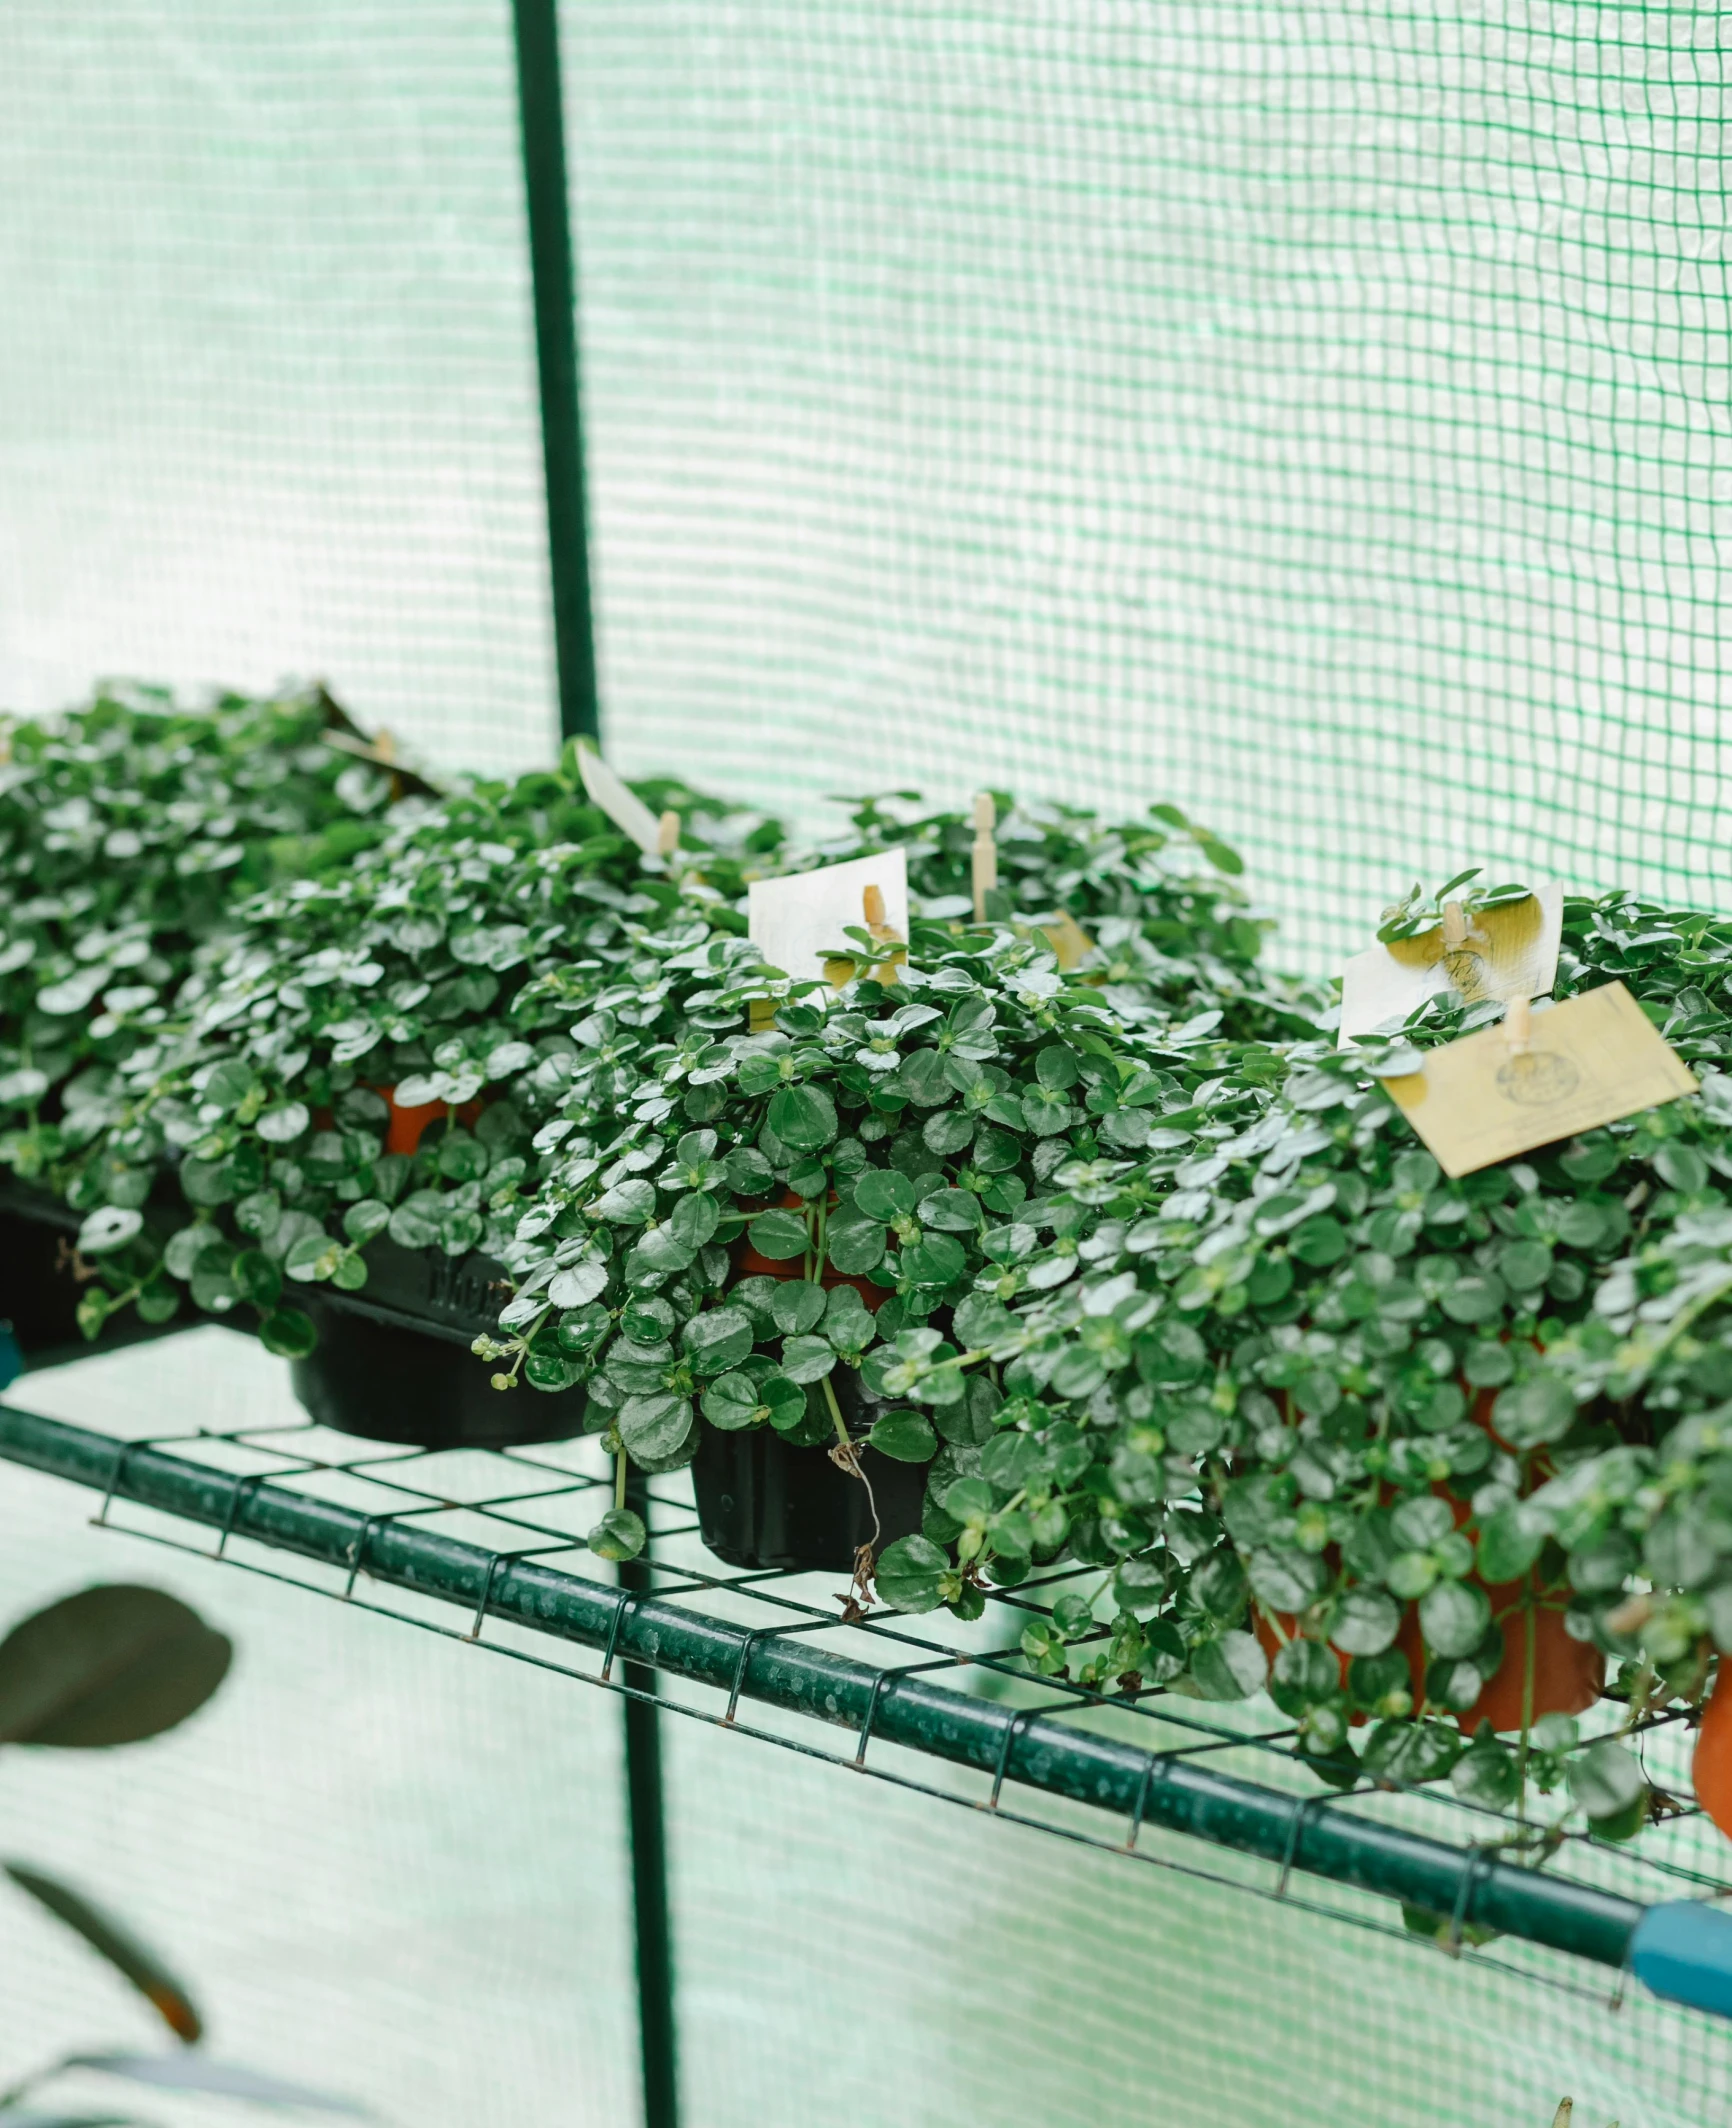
984 860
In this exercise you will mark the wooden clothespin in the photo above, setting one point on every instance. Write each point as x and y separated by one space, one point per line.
668 834
872 903
985 853
842 970
1518 1026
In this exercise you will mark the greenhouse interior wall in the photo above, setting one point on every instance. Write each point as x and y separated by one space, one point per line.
1314 416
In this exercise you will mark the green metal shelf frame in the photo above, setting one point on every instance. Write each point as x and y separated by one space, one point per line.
779 1666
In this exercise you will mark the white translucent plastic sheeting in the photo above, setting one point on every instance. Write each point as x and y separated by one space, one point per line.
392 1865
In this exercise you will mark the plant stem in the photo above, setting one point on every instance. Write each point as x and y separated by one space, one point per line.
842 1434
1530 1662
620 1467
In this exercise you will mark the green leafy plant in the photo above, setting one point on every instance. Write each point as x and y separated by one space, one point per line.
127 831
288 1074
1368 1417
1158 899
901 1136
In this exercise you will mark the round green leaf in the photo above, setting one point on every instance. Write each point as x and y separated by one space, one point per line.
694 1219
655 1427
884 1194
1605 1780
779 1235
1453 1616
732 1402
256 1279
1510 1542
807 1359
365 1219
282 1125
1232 1667
1304 1675
1535 1411
909 1574
1366 1622
796 1305
803 1117
1475 1297
785 1401
112 1227
289 1333
855 1245
904 1435
1056 1067
577 1284
717 1340
618 1535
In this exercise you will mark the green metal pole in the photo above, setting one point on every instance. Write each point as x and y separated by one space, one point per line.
649 1866
555 294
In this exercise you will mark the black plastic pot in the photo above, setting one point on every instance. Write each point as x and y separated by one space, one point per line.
764 1503
393 1362
38 1292
39 1283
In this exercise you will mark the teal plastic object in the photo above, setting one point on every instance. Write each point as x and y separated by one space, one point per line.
11 1358
1682 1952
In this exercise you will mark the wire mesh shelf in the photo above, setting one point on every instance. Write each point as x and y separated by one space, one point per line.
486 1548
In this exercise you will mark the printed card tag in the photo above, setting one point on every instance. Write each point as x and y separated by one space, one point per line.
623 807
1507 952
798 923
1487 1098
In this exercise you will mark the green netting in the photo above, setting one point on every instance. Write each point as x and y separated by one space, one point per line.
1313 413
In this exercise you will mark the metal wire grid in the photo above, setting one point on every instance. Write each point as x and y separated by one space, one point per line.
533 1504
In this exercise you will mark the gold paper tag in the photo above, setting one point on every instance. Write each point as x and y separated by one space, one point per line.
1501 953
1484 1099
1068 940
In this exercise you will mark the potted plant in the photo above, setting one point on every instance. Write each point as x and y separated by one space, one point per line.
1150 908
788 1252
1348 1434
347 1087
128 829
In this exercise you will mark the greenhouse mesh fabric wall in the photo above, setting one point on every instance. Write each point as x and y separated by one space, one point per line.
1313 414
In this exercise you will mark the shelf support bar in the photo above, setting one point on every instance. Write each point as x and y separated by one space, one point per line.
649 1861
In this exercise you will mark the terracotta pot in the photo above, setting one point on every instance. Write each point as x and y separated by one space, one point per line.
1568 1673
749 1264
403 1131
403 1127
1711 1767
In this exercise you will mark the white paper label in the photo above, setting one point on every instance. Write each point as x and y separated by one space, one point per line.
798 922
627 811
